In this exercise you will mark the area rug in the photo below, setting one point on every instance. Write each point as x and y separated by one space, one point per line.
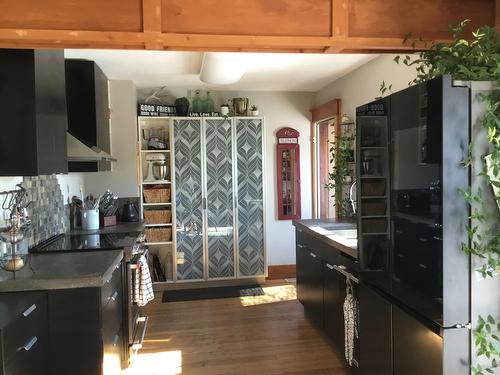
212 293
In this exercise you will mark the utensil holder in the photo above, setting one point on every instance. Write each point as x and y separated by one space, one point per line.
90 219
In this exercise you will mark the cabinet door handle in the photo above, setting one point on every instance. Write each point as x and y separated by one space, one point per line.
29 310
437 238
300 246
26 347
422 239
399 231
115 294
422 266
330 266
115 340
313 255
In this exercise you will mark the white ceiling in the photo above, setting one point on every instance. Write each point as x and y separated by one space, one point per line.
264 71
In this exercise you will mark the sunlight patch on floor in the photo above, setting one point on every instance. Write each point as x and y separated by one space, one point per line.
272 294
162 363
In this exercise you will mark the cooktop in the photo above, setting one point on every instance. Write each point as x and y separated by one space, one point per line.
86 242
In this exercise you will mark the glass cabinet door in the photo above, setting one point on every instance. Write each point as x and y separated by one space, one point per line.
373 185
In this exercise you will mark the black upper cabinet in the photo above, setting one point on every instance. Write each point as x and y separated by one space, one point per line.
88 110
33 108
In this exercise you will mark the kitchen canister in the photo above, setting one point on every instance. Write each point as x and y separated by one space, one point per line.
90 219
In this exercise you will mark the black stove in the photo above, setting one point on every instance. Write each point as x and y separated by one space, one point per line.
86 242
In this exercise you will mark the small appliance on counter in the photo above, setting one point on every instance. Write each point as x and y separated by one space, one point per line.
130 212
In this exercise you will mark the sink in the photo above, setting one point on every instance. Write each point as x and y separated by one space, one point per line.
351 234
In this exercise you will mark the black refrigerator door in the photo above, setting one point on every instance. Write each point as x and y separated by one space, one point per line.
429 136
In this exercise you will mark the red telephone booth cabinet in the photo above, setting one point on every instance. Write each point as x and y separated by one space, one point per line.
288 173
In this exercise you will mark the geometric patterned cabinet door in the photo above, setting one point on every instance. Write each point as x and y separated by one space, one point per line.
188 198
251 254
219 194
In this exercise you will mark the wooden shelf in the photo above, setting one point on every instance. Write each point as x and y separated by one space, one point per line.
159 182
374 217
159 243
373 147
158 225
154 151
156 204
375 234
374 197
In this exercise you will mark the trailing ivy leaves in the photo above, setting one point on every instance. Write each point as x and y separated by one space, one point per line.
475 58
341 154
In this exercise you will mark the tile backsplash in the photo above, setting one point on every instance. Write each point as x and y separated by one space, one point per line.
49 214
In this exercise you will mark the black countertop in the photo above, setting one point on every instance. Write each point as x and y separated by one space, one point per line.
68 270
62 271
120 227
310 226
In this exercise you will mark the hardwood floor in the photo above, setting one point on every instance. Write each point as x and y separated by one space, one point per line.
252 335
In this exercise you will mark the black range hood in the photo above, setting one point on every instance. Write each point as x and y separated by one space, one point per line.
88 138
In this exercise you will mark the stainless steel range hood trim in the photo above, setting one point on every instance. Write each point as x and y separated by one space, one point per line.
79 152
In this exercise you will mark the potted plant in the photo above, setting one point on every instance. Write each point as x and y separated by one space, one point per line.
224 109
254 110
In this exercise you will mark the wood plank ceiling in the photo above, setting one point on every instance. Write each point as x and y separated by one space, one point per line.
317 26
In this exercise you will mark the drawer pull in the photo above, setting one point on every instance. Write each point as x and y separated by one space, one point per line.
26 347
300 246
313 255
422 239
115 340
29 310
299 230
329 266
115 294
437 238
422 266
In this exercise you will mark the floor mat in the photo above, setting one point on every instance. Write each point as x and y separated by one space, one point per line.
211 293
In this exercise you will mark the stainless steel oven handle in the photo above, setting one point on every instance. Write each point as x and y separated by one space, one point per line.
138 345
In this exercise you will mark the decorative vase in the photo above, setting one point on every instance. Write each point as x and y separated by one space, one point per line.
181 106
255 113
240 106
224 110
197 102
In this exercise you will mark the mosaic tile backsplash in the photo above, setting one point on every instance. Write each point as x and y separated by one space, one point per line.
49 214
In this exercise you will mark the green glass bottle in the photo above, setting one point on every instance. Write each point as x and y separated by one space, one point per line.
197 102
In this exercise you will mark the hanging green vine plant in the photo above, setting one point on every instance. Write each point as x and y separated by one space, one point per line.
341 153
474 59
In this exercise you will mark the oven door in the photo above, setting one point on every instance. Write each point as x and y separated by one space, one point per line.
137 323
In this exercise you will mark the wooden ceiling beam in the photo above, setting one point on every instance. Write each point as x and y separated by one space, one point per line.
151 21
141 40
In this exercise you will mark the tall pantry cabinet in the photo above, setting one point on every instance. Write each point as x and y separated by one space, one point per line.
218 198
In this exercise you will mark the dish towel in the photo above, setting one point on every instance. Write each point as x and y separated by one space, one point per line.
350 324
143 286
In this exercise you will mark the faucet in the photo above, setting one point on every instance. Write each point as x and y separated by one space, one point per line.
352 199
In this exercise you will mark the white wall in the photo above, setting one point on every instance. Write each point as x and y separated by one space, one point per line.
362 85
122 179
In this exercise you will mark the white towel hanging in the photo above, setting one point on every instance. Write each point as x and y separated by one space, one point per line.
350 322
143 286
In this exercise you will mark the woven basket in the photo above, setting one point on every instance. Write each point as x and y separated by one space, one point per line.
158 216
157 195
158 234
372 189
373 208
374 225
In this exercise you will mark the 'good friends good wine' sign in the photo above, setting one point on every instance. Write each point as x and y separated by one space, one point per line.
155 110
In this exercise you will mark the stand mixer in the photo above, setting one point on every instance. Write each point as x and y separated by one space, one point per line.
157 167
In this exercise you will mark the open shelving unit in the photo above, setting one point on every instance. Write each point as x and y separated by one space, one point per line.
162 248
